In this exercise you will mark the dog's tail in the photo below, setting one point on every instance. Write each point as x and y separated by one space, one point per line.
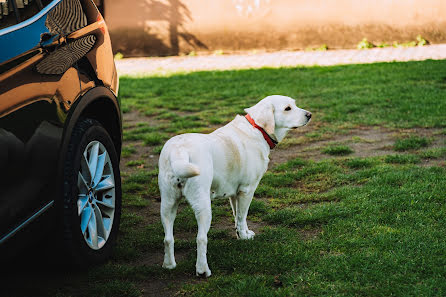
181 166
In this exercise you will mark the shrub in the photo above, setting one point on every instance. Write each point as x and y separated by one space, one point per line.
365 44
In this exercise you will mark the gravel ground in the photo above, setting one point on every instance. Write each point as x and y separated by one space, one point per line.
139 66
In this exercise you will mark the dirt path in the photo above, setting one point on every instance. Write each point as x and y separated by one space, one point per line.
138 66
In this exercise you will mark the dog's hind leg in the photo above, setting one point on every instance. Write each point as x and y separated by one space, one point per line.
169 207
201 205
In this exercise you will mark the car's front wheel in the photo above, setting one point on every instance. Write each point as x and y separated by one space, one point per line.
92 194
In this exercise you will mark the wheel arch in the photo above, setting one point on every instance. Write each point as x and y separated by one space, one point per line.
101 105
101 110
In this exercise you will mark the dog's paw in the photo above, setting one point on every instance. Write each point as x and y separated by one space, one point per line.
250 234
203 271
245 234
169 265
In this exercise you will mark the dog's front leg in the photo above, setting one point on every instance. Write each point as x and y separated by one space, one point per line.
244 199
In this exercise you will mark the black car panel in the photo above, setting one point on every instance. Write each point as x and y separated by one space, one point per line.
57 67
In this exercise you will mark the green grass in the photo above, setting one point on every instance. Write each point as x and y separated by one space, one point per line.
127 151
347 226
357 94
402 159
434 153
411 143
383 238
337 150
134 163
335 226
357 163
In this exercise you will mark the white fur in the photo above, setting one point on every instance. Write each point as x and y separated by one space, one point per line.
228 162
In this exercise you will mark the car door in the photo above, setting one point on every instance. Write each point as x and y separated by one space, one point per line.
38 83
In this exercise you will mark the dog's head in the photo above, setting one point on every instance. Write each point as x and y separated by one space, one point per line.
278 114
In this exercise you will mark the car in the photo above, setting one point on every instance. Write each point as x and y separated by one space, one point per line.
60 128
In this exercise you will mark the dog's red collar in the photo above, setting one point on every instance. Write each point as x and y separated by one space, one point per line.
271 142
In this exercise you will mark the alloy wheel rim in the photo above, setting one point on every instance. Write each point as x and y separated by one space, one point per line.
96 198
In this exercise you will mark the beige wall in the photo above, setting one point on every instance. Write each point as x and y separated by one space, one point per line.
165 27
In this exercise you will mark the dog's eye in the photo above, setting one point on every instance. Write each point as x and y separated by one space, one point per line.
288 108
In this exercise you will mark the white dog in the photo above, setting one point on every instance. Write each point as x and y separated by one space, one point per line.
229 163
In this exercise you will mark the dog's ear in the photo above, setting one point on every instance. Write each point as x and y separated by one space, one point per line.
263 114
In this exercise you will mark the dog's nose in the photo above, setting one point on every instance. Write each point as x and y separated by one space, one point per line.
308 115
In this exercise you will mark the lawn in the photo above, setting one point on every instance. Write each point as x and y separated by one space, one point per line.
353 204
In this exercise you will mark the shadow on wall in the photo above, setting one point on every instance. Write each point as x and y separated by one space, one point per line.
156 18
335 36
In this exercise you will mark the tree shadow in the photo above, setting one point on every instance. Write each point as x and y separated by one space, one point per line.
170 15
179 14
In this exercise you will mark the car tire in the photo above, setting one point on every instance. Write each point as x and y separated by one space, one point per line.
92 197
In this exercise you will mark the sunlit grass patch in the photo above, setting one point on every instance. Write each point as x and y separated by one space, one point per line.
280 179
291 165
259 207
139 132
154 138
168 115
372 91
298 181
315 135
337 150
434 153
411 143
312 177
185 122
402 159
362 139
287 142
157 149
216 120
358 163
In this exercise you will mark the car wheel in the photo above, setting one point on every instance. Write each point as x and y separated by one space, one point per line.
92 194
